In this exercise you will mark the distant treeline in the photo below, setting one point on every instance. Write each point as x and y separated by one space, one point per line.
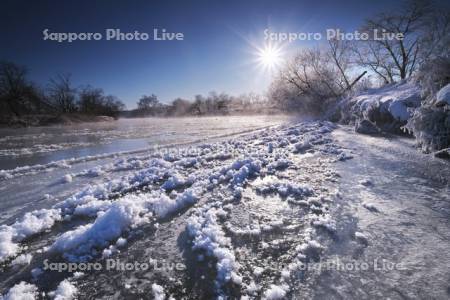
24 102
20 97
212 104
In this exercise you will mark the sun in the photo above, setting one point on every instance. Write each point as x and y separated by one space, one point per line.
270 57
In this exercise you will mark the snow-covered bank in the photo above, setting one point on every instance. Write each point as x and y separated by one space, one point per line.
388 108
401 108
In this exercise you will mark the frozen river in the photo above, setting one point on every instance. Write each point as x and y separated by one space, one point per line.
229 207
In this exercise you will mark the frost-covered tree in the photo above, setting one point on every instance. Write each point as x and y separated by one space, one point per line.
286 96
180 107
199 107
316 77
430 123
424 31
433 75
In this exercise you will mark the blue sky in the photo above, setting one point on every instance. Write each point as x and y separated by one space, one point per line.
214 55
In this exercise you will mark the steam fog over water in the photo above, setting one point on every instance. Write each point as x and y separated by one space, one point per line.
41 145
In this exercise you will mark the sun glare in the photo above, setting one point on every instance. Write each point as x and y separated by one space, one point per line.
270 57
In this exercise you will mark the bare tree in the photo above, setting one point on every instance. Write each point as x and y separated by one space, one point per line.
147 103
112 106
339 53
14 88
62 94
371 56
396 56
91 100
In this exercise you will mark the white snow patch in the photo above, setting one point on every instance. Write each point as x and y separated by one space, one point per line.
23 259
257 271
176 181
31 223
158 292
252 288
271 184
67 178
22 291
209 236
77 275
121 242
286 274
275 292
123 214
65 291
324 221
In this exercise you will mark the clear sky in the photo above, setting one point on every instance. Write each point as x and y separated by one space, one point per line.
216 53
